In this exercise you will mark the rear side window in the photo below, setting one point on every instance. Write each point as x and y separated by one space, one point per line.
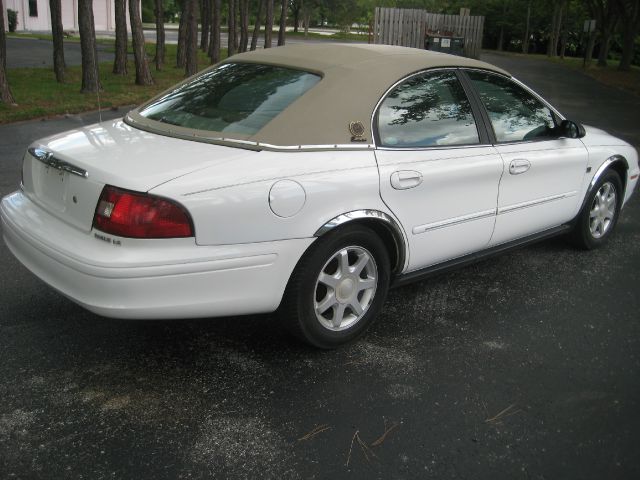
516 115
237 98
429 109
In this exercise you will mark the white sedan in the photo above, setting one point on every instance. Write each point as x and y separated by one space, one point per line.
309 179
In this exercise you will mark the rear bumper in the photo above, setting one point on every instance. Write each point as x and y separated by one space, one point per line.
138 279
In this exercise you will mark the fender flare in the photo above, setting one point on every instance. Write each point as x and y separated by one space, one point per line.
612 160
380 218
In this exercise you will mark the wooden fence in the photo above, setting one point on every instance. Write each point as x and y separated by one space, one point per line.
408 27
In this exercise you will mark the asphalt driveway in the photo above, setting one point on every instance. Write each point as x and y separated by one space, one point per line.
524 366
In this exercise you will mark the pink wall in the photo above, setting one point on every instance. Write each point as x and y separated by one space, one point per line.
103 14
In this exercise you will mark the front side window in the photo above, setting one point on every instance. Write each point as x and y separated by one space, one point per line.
516 115
430 109
238 98
33 8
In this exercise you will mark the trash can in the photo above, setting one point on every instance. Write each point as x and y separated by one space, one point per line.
445 44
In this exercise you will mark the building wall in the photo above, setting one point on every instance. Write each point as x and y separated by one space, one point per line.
103 15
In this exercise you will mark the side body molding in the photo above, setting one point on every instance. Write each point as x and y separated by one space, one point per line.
373 217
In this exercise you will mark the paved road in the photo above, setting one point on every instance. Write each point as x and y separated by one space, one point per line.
31 52
525 366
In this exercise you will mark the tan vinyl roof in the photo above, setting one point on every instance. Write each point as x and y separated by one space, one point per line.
355 77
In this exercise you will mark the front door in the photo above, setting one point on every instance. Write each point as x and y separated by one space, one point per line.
543 172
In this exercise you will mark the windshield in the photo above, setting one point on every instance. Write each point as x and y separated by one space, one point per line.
237 98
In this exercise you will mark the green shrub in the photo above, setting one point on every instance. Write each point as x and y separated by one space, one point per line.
12 19
147 15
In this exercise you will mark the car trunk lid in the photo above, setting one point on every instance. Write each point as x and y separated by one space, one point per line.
65 173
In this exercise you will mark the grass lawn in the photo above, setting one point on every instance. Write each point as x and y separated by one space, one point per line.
37 93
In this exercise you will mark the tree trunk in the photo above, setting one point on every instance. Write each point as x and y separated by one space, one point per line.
630 27
552 31
214 41
256 27
525 40
143 75
205 21
500 38
268 24
605 43
244 25
5 92
3 39
306 17
627 51
181 53
283 23
563 44
296 17
231 30
120 62
191 66
88 49
160 37
591 42
558 25
57 33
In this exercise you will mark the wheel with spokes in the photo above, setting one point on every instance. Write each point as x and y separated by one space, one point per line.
338 287
600 213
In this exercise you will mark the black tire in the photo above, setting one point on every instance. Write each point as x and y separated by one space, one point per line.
298 308
583 235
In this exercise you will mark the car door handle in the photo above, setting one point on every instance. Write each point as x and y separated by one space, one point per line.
518 166
404 179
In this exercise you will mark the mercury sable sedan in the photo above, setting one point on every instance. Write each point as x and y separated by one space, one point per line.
309 179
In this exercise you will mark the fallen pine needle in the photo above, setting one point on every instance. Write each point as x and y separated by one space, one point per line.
365 449
314 432
351 447
382 437
502 413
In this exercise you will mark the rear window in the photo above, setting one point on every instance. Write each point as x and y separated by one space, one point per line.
237 98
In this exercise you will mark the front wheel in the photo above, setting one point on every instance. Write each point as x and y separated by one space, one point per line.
338 287
600 213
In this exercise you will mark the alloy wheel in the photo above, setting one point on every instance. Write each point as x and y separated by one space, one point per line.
345 288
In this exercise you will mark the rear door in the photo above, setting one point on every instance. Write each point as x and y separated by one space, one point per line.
543 172
438 173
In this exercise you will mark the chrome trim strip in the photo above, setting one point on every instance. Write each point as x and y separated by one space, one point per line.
453 221
604 166
50 161
535 94
338 146
533 203
396 230
354 215
251 144
388 91
434 148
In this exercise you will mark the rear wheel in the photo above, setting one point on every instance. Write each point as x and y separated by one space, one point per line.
600 214
338 287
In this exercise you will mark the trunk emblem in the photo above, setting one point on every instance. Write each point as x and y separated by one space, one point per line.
50 161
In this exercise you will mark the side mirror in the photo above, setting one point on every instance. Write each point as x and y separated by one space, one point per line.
571 129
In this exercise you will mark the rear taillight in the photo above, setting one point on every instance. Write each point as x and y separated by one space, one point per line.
140 215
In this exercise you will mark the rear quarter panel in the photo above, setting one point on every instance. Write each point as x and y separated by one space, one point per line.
230 204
